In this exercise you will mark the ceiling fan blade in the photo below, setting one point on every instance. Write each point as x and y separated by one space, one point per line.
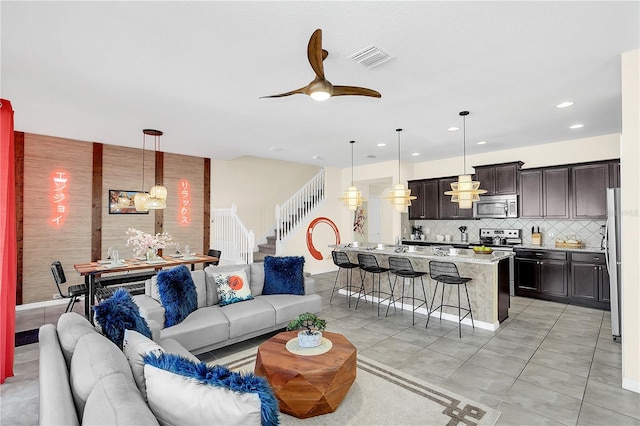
353 90
315 53
303 90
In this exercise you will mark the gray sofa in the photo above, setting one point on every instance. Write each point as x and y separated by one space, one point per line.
213 326
86 379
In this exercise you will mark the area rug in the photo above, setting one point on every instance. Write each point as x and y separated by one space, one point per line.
384 396
26 337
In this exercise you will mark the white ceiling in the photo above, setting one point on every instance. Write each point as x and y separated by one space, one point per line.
103 71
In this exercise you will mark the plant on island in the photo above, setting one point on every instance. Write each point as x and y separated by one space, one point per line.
309 321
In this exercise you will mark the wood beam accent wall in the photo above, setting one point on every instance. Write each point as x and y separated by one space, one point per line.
206 226
19 181
96 203
159 179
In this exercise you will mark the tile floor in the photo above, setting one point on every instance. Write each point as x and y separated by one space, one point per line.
548 364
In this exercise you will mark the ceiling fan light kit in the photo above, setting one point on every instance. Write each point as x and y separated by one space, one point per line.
352 198
321 89
399 197
466 190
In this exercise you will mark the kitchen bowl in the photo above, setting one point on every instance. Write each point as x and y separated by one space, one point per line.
482 250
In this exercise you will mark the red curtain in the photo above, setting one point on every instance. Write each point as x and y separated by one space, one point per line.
8 242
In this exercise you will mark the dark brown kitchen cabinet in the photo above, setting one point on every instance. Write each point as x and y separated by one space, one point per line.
542 274
614 174
447 209
590 279
427 203
589 190
499 179
544 193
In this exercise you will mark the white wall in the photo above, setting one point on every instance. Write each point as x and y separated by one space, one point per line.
630 182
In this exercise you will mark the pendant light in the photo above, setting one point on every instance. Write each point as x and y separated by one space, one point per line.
140 199
157 198
465 191
352 198
399 197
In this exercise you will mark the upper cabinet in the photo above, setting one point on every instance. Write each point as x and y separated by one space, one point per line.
449 210
499 179
578 191
426 205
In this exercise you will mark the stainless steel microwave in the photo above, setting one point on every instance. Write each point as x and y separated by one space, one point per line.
499 206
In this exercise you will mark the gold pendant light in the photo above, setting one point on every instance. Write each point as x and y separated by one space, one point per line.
157 198
400 197
140 199
352 198
466 190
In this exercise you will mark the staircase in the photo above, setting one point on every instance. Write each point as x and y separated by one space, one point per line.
267 249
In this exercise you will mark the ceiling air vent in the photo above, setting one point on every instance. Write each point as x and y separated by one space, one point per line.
371 56
370 156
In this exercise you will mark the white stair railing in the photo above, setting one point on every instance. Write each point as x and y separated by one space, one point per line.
292 212
231 236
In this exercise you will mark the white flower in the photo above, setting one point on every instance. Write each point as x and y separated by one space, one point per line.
142 241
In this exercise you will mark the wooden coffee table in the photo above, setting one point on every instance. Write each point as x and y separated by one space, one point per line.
307 386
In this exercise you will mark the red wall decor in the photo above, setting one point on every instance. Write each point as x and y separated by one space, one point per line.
314 252
59 197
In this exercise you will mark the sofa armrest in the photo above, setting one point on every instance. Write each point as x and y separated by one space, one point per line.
309 285
150 309
56 401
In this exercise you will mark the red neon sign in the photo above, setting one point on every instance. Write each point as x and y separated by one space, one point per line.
59 197
184 208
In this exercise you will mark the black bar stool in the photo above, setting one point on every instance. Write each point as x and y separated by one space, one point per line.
341 260
401 267
369 263
447 273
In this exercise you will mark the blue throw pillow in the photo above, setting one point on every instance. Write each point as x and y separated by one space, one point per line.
177 294
119 313
283 275
204 382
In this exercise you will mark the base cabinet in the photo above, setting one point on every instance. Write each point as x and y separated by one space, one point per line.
578 278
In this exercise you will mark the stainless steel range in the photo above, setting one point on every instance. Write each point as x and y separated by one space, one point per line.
503 239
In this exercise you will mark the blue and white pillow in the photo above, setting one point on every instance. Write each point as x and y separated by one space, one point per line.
232 287
183 392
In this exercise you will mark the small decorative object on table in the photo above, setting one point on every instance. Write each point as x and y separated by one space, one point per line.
146 245
312 336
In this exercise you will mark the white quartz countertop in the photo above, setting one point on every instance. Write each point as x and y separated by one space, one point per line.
463 255
426 244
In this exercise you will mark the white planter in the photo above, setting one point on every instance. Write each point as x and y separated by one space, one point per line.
312 340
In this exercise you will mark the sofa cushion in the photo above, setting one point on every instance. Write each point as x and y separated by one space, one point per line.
246 317
71 327
119 313
288 306
177 294
94 358
184 392
205 326
212 291
257 278
283 275
115 400
201 287
232 287
135 346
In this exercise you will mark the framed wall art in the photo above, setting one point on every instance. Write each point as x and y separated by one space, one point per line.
121 202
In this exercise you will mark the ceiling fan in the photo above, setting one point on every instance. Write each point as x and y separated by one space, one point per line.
320 88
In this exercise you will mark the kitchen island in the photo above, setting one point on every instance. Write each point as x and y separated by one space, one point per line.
488 290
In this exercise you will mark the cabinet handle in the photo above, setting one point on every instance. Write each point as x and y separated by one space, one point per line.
596 258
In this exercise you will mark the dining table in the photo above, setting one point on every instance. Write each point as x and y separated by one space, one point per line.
93 270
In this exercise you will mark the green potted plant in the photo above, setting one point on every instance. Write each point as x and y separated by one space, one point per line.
311 336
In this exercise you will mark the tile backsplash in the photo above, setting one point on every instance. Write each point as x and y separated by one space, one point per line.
585 230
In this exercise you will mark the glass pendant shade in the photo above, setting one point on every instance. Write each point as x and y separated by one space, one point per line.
466 190
140 201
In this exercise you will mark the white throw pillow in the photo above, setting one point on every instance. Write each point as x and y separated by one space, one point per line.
179 400
232 287
135 346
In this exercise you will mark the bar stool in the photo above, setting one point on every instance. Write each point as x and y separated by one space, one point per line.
401 267
341 260
369 263
447 273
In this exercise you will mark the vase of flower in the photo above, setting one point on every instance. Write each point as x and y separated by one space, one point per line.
150 254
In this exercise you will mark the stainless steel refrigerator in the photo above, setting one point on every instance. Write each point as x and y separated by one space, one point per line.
614 258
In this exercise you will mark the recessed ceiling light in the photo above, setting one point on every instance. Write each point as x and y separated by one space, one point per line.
415 154
564 104
370 156
482 142
317 157
381 144
453 129
576 126
275 149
